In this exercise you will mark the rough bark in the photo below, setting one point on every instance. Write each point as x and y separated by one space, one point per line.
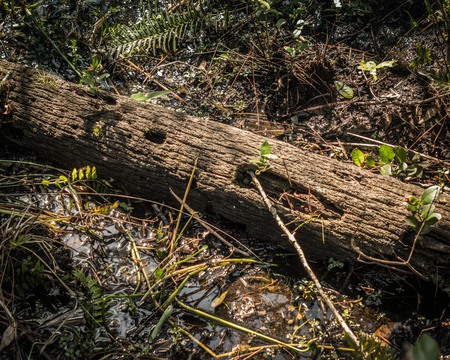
150 149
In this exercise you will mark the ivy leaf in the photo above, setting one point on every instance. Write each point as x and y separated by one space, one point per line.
386 154
430 195
357 157
345 90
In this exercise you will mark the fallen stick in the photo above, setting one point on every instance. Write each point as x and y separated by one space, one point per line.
304 261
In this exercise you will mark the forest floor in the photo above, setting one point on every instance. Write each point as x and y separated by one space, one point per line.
322 97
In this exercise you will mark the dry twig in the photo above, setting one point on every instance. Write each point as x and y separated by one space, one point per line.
304 261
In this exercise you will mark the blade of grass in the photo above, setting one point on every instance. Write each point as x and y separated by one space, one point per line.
180 213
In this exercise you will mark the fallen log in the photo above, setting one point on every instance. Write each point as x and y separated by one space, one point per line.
150 150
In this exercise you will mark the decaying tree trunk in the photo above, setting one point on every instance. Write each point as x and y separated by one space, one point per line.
150 150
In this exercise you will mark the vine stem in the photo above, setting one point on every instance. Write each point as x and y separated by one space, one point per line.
304 262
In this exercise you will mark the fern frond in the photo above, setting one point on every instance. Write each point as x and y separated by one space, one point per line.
162 30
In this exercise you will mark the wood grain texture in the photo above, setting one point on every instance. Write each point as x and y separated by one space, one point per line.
149 149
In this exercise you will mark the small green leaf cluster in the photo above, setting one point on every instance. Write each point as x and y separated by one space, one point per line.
264 157
392 161
93 76
370 348
361 159
372 67
406 163
423 56
86 173
423 214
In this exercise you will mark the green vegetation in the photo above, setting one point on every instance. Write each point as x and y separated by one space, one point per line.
372 67
265 155
391 161
423 214
84 262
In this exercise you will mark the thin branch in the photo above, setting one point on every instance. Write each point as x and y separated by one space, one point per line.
304 261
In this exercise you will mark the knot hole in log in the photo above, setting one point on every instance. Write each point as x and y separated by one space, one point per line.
156 136
293 198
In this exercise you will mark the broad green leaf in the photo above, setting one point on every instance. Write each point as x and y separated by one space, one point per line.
45 182
401 155
94 173
386 169
430 195
345 90
386 154
433 218
63 179
88 172
426 348
412 221
427 210
80 174
265 149
357 157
